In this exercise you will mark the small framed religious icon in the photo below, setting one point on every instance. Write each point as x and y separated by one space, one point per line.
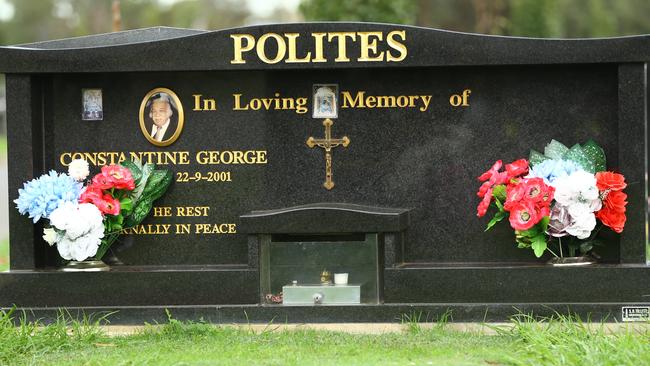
91 101
325 104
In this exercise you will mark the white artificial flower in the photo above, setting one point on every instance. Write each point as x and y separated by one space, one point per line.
83 230
50 235
579 194
577 188
582 226
78 169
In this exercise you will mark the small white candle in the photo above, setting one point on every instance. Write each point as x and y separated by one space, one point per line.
340 278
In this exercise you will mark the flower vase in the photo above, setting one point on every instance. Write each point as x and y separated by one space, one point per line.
88 265
584 260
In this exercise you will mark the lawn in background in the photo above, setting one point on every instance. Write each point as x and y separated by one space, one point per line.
4 242
560 341
4 255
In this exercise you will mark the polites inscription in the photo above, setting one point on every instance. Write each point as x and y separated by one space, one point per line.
272 48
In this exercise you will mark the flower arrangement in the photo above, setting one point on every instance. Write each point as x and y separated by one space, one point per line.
561 193
84 221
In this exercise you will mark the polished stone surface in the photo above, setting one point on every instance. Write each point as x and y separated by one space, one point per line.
426 162
415 168
427 47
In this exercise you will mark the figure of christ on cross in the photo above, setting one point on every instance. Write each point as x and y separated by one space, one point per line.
328 143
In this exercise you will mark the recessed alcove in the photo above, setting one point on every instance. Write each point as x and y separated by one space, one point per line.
298 245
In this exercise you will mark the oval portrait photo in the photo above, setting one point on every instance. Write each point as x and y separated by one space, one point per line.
161 117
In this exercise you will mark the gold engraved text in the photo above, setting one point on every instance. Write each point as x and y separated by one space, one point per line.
284 47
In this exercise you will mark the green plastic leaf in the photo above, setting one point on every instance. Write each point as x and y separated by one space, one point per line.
596 155
106 243
140 212
539 245
126 204
157 184
522 244
135 170
497 217
137 163
536 157
555 150
499 204
499 192
543 223
576 155
147 169
530 233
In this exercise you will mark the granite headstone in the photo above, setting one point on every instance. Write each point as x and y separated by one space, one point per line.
290 132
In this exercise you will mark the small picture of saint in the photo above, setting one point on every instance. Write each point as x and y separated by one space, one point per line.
325 101
91 100
161 117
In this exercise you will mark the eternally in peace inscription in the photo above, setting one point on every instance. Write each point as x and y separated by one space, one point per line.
300 152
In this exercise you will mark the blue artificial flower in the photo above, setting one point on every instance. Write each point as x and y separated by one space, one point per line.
39 197
550 170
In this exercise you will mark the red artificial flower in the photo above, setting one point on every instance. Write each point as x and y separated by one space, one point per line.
530 190
610 181
616 201
104 201
91 194
494 177
490 178
517 168
547 195
120 176
102 181
485 203
613 219
483 189
108 205
490 173
514 194
543 211
613 212
534 189
523 215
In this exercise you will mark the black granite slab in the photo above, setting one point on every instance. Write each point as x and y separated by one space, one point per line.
413 284
113 39
427 47
436 256
425 162
132 285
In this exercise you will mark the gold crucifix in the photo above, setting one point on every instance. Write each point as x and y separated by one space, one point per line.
328 143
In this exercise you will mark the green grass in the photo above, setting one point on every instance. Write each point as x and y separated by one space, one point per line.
4 244
4 255
3 146
560 341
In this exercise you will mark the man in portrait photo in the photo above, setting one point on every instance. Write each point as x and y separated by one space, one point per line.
164 117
